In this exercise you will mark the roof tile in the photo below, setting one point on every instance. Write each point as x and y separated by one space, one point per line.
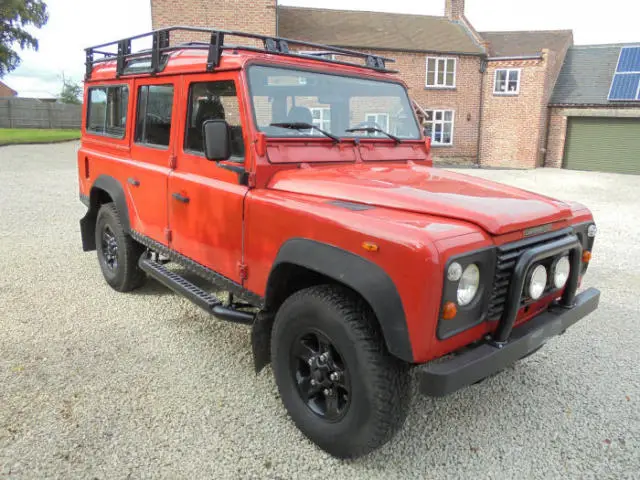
376 30
586 75
506 44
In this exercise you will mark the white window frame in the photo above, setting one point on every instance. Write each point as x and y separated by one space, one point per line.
508 70
320 122
385 115
441 122
444 77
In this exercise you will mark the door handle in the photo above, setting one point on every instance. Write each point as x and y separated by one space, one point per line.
133 181
180 198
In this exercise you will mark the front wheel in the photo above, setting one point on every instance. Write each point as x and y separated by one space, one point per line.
118 253
337 380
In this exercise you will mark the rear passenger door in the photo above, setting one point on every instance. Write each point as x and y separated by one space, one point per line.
152 154
206 198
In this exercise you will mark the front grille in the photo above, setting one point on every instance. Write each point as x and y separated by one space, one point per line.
507 257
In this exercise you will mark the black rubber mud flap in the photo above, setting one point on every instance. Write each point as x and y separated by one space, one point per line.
261 340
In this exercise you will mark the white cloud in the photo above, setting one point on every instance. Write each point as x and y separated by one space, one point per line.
76 24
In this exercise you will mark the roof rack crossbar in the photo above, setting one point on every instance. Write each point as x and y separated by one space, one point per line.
124 49
215 50
271 44
160 41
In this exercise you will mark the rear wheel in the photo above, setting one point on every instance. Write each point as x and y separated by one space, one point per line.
338 382
118 253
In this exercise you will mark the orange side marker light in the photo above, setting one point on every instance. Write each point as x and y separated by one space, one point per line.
586 256
370 246
450 311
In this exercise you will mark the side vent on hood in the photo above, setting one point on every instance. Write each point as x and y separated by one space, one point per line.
350 205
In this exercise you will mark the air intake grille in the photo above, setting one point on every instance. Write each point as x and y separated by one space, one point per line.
508 255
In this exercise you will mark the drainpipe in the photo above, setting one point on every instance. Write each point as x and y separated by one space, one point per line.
546 139
483 70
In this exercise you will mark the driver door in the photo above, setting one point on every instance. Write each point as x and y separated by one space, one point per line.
206 200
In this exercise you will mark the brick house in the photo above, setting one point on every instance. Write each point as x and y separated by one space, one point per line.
595 110
6 91
482 96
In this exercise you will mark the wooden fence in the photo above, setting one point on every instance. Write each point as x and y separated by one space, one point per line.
33 113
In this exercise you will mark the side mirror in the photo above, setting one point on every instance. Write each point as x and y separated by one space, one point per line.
217 140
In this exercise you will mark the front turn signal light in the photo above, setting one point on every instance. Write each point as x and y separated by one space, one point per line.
370 246
586 256
450 311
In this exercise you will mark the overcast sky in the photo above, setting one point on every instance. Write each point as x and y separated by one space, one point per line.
76 24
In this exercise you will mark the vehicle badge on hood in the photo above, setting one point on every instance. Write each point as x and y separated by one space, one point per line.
537 230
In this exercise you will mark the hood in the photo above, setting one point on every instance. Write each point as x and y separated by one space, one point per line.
495 207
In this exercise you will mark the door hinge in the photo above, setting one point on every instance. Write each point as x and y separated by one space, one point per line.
172 161
243 271
251 180
167 234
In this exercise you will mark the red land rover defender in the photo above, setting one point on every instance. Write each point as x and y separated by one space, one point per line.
298 181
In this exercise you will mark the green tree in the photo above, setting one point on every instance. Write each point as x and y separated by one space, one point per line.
16 16
71 92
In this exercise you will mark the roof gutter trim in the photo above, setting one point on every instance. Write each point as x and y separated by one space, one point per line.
516 57
406 50
622 104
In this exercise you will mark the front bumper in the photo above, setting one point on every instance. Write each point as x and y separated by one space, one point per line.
441 378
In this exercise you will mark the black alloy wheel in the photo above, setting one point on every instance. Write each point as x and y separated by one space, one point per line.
339 383
109 248
321 375
118 253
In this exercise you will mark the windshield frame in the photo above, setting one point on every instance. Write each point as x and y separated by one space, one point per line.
324 71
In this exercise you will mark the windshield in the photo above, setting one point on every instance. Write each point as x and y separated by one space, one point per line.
332 103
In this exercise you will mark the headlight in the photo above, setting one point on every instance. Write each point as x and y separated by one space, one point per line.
538 282
468 285
454 272
561 272
592 230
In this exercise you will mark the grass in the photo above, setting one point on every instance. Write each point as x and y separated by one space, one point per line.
16 136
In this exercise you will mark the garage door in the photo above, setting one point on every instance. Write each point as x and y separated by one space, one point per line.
603 144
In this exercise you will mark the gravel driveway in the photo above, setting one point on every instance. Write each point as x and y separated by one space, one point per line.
96 384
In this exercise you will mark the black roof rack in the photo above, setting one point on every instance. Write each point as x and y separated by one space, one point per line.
160 47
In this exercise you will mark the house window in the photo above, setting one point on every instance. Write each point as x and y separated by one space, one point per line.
507 81
322 117
441 72
439 126
381 119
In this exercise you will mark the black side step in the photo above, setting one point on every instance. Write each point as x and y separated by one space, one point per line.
187 289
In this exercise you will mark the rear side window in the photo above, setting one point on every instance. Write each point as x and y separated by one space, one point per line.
107 110
214 100
153 122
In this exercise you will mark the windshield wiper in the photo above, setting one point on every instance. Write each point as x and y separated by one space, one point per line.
373 130
304 126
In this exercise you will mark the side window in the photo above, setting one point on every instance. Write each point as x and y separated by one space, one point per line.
211 101
107 110
153 122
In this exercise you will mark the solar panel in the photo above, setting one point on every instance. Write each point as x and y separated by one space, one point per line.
626 80
625 87
629 60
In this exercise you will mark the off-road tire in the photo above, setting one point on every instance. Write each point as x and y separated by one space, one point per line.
380 383
126 275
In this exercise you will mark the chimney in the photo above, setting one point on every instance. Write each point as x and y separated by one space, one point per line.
454 9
